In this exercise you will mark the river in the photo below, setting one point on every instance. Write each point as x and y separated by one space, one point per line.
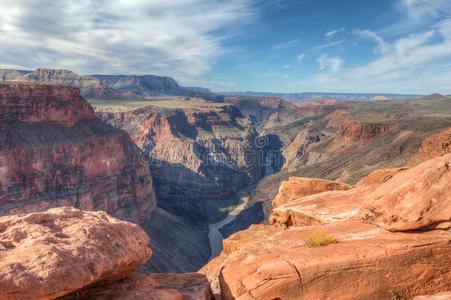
214 235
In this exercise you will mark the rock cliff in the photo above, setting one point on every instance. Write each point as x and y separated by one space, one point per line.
197 155
55 151
89 87
362 259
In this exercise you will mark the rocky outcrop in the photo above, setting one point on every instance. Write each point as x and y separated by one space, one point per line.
414 198
189 286
297 187
438 296
48 254
43 103
265 262
89 87
56 152
362 132
433 146
197 155
365 263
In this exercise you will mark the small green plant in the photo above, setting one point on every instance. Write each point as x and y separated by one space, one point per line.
395 296
318 238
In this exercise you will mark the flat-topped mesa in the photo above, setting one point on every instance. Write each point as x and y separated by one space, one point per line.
354 132
54 151
25 102
90 87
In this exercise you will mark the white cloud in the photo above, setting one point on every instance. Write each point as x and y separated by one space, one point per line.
419 10
178 38
382 46
416 63
329 63
286 45
331 33
300 57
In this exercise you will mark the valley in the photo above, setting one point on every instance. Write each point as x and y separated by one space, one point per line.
204 179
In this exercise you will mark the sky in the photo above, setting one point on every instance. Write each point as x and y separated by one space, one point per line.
383 46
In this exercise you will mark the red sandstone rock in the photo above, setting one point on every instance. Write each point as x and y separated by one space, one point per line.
297 187
196 154
433 146
438 296
188 286
365 263
414 198
43 103
360 132
54 151
49 254
379 176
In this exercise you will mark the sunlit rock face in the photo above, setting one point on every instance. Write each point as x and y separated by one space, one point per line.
56 152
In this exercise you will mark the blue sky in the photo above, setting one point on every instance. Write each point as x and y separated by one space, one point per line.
396 46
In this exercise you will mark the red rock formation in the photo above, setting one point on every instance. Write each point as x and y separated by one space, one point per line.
412 199
360 132
433 146
55 151
438 296
196 155
49 254
188 286
43 103
297 187
365 261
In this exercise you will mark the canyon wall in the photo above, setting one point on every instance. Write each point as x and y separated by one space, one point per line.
55 151
197 156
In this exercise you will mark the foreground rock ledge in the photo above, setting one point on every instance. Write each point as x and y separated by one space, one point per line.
366 263
49 254
188 286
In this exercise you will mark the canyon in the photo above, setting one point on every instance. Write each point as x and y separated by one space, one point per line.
262 172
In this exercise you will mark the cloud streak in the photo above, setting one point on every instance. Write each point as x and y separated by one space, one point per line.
177 38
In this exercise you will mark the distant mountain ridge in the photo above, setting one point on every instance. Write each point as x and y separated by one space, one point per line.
109 86
323 96
89 87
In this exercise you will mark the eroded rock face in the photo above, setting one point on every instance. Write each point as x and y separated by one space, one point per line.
413 199
361 132
366 263
43 103
195 155
297 187
56 152
48 254
189 286
433 146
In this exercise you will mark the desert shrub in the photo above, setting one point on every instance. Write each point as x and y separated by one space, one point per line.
318 238
395 296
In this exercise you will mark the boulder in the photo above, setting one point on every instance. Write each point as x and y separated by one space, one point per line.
48 254
412 199
297 187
